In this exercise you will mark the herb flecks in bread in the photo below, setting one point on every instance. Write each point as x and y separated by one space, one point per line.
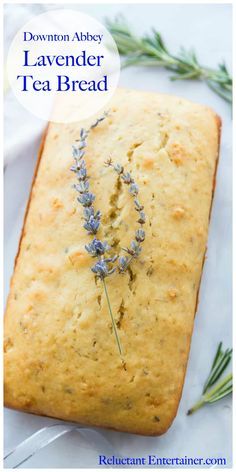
105 266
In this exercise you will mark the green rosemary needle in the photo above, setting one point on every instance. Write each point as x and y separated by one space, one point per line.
150 50
220 362
222 388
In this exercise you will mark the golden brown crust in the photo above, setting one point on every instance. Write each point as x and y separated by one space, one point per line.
218 124
40 152
51 332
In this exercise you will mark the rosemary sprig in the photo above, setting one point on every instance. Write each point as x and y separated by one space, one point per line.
104 266
222 388
150 50
220 362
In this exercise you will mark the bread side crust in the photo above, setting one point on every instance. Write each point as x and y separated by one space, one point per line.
218 123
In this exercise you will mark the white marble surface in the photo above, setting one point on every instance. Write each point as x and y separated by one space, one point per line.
208 432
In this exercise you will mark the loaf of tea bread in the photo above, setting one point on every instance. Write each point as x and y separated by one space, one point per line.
61 356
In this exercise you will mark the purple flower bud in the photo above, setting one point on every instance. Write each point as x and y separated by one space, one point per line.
82 174
83 134
142 218
123 263
97 248
78 165
118 168
92 225
134 189
77 152
88 212
135 248
100 269
127 178
138 206
140 235
86 199
82 186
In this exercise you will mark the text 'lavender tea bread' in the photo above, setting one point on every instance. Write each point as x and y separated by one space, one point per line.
61 356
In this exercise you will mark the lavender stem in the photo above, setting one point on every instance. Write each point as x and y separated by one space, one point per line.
112 318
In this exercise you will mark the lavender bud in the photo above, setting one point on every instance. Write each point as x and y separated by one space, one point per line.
82 174
119 169
92 225
127 178
123 263
88 212
77 152
134 189
86 199
82 186
135 248
82 144
83 134
100 269
79 165
138 206
140 235
142 218
97 248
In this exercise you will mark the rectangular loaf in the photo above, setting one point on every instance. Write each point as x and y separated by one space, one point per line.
61 359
